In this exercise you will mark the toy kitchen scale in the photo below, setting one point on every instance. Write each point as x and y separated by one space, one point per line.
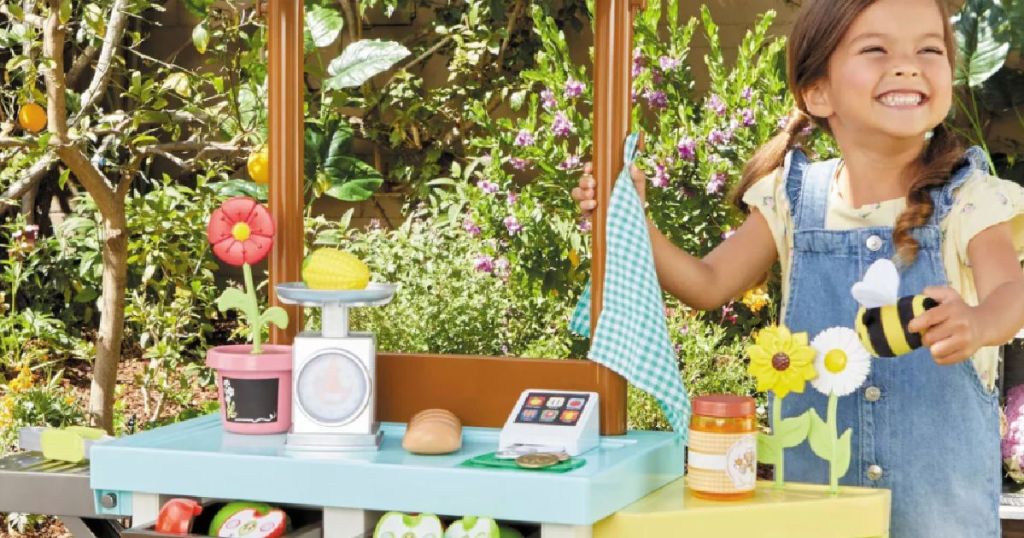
334 372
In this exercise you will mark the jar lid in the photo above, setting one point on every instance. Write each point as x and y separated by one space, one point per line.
724 405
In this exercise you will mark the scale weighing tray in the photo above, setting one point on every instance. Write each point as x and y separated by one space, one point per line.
197 458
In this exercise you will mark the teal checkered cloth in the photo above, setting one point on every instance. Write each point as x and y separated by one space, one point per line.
631 337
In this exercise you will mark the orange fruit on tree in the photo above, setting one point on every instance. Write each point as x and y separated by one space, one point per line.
32 117
259 166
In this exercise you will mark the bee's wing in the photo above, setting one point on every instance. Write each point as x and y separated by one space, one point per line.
880 285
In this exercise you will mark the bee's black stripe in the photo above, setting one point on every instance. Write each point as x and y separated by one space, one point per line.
873 321
906 309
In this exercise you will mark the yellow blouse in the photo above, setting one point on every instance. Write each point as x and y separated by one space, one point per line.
982 201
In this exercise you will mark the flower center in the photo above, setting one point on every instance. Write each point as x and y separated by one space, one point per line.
240 231
780 361
835 361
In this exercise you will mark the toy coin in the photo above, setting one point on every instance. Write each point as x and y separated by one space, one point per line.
538 460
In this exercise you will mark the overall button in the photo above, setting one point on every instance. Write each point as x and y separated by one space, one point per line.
874 243
872 394
874 472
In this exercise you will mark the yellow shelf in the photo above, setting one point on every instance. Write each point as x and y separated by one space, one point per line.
798 511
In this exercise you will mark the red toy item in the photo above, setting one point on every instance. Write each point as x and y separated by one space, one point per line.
176 516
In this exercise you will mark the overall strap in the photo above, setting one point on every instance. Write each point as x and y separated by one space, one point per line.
808 185
629 149
943 196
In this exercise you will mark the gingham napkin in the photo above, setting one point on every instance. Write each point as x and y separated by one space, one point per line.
631 336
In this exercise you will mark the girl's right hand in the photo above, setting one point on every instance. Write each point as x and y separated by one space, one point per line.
585 194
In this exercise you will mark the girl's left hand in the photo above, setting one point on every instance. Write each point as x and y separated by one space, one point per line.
951 329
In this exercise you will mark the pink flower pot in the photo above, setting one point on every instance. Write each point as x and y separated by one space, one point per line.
255 391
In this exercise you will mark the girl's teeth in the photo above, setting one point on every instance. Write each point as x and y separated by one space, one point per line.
901 99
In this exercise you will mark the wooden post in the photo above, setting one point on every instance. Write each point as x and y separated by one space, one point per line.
613 81
285 88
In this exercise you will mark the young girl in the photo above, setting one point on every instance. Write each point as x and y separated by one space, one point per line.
877 75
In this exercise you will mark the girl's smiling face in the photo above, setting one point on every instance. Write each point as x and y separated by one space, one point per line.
890 77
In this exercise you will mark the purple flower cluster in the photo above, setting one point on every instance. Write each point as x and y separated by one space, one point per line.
512 197
638 62
667 63
656 98
747 117
573 89
512 225
718 137
561 126
487 186
484 263
547 98
471 227
571 162
717 183
519 164
687 148
584 225
747 93
661 178
715 104
524 138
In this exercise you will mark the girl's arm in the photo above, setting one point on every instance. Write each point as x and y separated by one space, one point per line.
734 266
955 330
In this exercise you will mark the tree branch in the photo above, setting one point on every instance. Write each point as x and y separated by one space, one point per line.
83 61
29 181
115 31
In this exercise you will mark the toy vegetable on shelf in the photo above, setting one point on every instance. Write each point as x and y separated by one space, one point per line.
253 381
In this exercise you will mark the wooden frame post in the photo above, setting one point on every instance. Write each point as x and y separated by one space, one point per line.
286 126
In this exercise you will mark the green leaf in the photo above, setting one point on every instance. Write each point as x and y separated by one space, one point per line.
324 24
178 82
240 187
769 451
841 463
144 140
362 60
63 179
793 431
981 52
200 38
234 298
820 437
277 316
64 15
355 190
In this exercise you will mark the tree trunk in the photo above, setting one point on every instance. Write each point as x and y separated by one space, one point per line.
111 332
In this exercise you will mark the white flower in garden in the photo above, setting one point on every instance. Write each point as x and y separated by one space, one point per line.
841 361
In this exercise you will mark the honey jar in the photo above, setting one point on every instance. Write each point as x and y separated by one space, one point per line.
722 453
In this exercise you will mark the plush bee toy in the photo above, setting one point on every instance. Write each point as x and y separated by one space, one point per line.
882 318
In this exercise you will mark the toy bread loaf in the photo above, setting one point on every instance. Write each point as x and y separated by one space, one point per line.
433 431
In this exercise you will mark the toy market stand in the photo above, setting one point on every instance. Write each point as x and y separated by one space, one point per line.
631 485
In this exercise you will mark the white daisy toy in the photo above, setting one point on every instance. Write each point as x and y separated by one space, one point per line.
842 364
841 361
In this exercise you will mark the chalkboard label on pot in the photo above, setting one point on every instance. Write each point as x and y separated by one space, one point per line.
252 401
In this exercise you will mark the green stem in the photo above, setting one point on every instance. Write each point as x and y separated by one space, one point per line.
255 328
780 467
833 479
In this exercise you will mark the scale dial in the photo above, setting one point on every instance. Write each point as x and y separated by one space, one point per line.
333 387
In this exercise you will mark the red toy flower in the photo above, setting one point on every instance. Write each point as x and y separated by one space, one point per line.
241 231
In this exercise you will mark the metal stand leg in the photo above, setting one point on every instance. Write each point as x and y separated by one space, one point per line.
348 522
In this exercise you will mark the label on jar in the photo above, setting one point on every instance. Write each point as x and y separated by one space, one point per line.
722 462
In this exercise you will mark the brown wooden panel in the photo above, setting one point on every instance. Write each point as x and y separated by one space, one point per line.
482 390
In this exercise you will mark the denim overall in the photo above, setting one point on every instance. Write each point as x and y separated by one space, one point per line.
928 433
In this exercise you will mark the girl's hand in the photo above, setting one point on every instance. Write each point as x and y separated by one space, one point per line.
951 329
585 194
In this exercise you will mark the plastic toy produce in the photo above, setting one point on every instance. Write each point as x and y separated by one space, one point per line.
259 166
252 520
176 516
331 269
399 525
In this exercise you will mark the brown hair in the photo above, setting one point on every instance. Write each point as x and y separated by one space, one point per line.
816 34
